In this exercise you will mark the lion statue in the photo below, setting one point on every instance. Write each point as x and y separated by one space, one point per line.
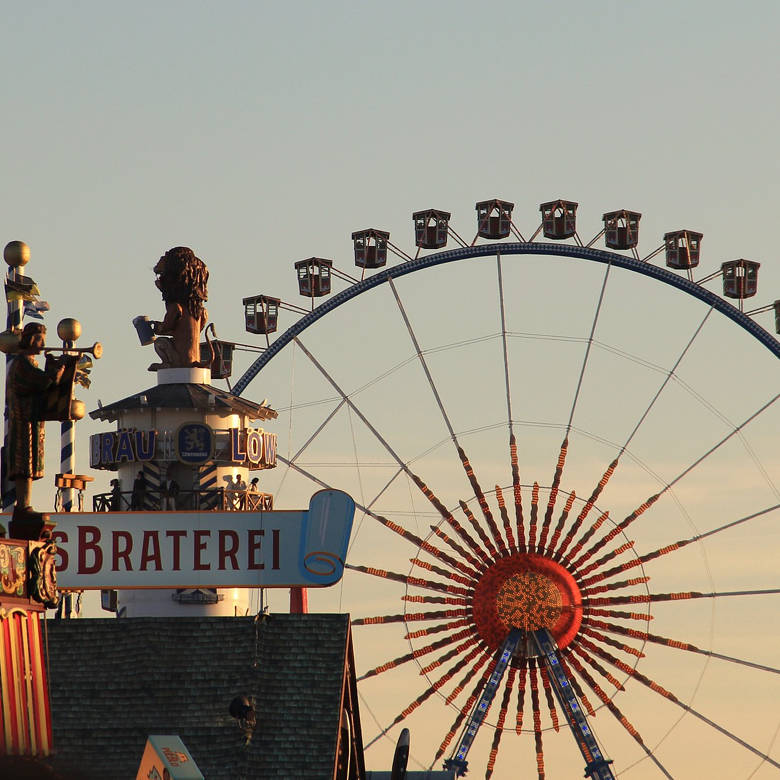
182 279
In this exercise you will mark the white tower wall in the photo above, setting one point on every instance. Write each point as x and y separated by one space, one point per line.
196 483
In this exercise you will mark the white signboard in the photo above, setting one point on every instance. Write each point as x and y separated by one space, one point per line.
305 548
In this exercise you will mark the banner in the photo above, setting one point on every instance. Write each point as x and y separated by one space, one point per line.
276 549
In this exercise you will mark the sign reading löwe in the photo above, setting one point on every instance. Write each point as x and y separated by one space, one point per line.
304 548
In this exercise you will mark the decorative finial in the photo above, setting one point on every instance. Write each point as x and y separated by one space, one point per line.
69 329
16 254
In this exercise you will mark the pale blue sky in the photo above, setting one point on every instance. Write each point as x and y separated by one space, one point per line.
263 133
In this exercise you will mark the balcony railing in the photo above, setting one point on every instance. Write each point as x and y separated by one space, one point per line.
214 499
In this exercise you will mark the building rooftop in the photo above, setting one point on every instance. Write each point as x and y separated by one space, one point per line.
186 395
116 681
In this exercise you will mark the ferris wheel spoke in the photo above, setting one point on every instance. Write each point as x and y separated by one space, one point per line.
763 756
588 630
505 352
741 520
615 614
418 542
537 719
613 465
414 654
559 554
353 537
669 696
465 554
351 404
518 493
588 348
605 559
481 660
407 579
415 599
429 630
630 564
353 407
449 519
581 695
470 475
584 539
466 708
677 644
679 596
553 496
534 517
425 695
483 504
726 421
669 374
505 520
565 444
474 647
422 361
407 617
444 573
561 524
318 431
518 497
408 535
491 550
499 729
617 714
719 444
587 592
548 694
615 462
617 529
421 699
642 559
521 686
594 664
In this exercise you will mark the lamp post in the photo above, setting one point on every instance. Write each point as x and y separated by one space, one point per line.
69 331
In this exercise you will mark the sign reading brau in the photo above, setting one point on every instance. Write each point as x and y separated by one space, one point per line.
305 548
192 443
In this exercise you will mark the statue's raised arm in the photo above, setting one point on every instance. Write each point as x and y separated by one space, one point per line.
182 279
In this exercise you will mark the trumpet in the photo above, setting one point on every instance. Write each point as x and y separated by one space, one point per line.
96 350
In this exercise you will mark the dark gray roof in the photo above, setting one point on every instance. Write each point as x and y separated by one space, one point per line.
185 395
116 681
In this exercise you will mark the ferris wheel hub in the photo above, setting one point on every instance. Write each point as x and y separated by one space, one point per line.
530 592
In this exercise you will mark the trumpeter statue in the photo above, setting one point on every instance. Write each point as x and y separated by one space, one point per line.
28 394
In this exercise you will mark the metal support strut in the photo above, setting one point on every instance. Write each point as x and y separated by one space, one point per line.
596 766
457 762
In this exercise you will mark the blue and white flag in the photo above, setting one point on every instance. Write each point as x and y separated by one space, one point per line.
34 309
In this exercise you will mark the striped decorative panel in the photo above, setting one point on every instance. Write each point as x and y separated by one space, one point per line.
67 460
153 475
25 718
207 481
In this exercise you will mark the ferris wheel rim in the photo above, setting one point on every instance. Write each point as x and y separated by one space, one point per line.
625 262
498 250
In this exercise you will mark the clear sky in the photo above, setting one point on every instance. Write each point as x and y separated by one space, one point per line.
263 133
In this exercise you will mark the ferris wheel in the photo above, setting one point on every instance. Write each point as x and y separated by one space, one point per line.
565 465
